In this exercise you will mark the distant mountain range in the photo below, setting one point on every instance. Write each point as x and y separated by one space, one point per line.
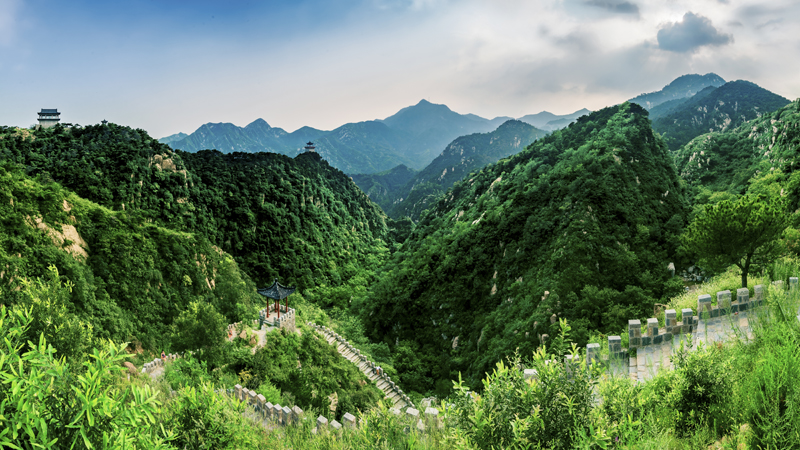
681 87
714 109
412 137
402 192
548 121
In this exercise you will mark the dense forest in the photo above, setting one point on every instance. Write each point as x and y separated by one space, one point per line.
294 218
715 109
582 224
107 236
402 192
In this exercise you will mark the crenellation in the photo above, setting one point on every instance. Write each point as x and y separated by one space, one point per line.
704 306
743 299
634 333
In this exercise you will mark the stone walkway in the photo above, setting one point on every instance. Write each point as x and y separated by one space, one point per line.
652 358
397 400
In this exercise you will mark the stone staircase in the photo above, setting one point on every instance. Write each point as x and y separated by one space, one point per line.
399 399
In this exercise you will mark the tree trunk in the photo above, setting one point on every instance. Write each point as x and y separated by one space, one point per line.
746 269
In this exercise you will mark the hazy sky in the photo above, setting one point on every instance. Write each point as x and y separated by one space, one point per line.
170 66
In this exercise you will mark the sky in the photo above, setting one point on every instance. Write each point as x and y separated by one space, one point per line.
169 66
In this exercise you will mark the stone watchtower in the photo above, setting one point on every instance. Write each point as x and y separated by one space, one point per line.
48 117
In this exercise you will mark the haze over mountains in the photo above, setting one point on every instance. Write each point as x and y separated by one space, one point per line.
413 137
399 161
404 193
682 87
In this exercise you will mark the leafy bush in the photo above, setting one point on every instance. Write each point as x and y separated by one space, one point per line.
200 326
704 389
550 410
186 371
46 301
45 404
203 419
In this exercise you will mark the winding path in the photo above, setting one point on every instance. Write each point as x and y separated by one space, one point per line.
391 391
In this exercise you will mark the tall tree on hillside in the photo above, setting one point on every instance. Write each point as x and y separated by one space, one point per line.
742 232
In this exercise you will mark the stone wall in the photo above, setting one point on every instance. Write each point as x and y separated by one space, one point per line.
372 370
270 415
727 320
152 366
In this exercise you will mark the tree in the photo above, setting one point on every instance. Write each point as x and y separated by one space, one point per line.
199 326
742 232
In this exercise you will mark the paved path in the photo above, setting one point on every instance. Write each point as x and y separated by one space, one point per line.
650 359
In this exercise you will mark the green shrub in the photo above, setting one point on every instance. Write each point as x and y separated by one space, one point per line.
270 392
704 388
202 419
45 404
772 394
548 411
186 371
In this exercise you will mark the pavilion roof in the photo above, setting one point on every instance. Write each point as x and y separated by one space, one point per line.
277 291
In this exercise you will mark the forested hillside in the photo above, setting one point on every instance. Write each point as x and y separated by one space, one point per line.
459 158
382 187
582 224
723 108
296 219
685 86
716 165
130 277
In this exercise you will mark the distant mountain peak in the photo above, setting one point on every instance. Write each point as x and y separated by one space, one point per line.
258 123
548 121
681 87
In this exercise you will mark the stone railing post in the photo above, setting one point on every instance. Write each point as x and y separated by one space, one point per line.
671 322
704 306
592 353
432 418
724 302
322 424
287 415
268 409
616 357
238 391
349 420
743 298
634 334
261 401
297 413
686 317
758 293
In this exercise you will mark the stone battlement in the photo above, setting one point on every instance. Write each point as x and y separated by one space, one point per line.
372 370
728 319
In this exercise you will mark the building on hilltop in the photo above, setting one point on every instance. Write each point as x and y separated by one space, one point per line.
48 117
310 147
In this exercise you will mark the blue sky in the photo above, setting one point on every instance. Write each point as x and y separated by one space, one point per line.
170 66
